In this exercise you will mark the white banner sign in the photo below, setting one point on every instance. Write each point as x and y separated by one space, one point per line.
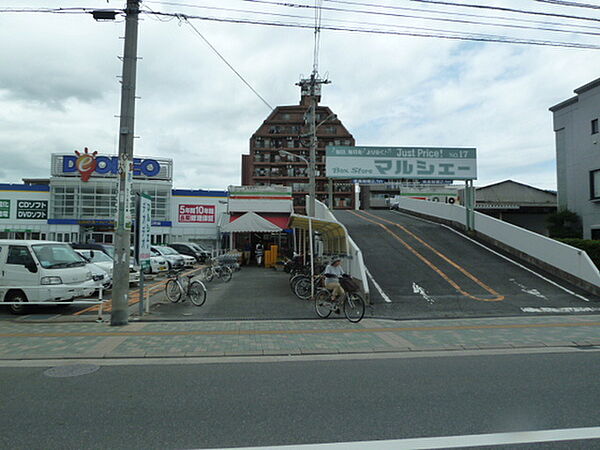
401 162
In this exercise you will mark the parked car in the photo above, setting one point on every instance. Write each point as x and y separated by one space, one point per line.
105 248
101 270
158 264
41 271
189 249
174 259
134 271
206 253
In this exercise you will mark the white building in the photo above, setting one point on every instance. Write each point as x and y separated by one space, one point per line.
78 203
577 136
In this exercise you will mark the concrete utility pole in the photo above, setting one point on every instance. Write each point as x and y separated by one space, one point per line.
120 308
312 184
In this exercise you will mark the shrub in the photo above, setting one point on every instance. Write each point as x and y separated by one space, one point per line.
592 248
564 224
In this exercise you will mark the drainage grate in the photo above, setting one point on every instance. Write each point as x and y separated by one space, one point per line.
73 370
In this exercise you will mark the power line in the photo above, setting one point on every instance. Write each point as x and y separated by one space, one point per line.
355 22
566 3
185 19
465 37
511 10
540 24
458 14
379 13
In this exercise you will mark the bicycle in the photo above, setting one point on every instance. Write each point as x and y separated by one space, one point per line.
181 288
217 271
302 286
352 303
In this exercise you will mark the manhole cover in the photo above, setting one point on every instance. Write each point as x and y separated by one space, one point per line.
73 370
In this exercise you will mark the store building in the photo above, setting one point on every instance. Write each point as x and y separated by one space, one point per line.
517 203
577 136
78 203
286 129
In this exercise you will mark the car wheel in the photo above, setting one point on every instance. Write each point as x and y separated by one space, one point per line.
17 296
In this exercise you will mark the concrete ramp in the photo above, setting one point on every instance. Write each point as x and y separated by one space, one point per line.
422 269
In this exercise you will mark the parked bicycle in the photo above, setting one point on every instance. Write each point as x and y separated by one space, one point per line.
179 288
215 270
351 302
301 286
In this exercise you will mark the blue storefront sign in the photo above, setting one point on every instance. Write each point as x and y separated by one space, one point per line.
110 165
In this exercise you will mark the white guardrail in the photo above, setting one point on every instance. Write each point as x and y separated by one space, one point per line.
354 265
571 260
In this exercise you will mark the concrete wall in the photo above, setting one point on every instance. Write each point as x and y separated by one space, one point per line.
577 153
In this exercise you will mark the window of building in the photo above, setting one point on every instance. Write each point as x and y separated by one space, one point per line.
595 184
595 126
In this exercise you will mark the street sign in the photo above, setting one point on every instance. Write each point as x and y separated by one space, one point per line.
430 163
143 226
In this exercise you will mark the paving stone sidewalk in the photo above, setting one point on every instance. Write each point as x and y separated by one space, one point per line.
20 341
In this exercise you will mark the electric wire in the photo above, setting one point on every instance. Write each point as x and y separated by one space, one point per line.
504 9
462 14
570 4
379 13
185 19
497 39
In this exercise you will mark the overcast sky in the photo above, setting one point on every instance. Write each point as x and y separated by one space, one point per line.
59 90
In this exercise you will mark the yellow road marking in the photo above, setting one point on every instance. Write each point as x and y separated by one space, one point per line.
497 297
294 332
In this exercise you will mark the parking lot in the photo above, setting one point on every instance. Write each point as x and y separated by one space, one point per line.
252 293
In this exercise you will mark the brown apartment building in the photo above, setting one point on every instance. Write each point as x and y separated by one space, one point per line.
283 130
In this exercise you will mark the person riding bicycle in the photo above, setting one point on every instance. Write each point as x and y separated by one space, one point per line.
333 272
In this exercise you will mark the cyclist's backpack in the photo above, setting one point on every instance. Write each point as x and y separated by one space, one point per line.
349 285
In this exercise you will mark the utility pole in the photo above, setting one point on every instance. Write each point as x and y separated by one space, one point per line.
312 86
120 305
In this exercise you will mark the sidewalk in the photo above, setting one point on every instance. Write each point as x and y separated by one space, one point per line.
89 340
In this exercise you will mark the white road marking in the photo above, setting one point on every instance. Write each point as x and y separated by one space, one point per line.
533 292
473 440
568 291
385 297
419 290
566 309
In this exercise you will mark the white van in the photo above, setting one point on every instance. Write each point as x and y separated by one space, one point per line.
41 271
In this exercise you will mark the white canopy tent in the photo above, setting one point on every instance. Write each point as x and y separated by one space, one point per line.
250 223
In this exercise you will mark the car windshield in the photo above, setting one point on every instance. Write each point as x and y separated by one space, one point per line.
197 247
110 250
57 256
98 255
167 251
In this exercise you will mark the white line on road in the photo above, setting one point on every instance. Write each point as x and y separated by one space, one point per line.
566 309
419 290
385 297
473 440
568 291
524 288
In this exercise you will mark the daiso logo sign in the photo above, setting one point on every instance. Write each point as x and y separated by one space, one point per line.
87 164
196 214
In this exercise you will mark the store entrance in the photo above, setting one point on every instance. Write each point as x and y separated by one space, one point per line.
97 235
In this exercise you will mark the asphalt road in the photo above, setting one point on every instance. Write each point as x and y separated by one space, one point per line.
215 404
252 293
427 270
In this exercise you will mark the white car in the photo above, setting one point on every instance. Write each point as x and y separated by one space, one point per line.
158 264
98 258
99 275
188 261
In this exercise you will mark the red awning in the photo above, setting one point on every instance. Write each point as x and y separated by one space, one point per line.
281 220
